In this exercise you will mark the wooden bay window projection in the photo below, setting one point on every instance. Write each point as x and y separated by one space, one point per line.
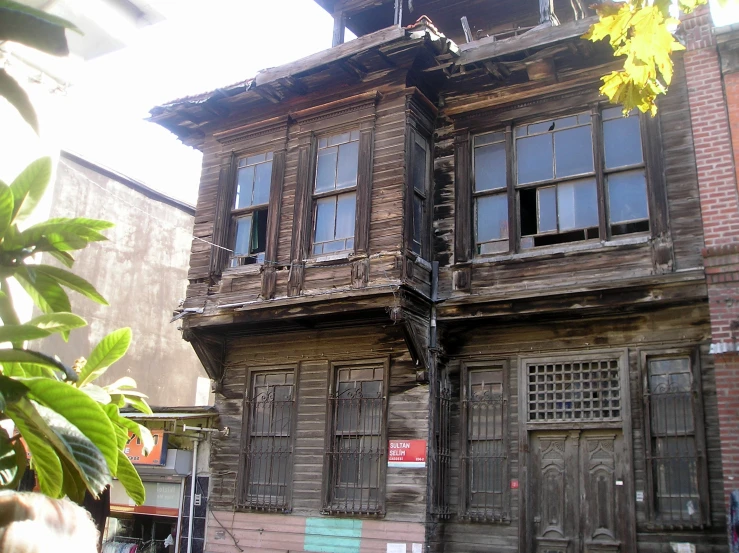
675 452
356 457
267 459
253 178
335 193
485 456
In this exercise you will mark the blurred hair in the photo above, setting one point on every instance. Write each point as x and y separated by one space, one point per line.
34 523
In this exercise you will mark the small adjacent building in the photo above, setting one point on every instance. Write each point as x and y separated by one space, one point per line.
440 232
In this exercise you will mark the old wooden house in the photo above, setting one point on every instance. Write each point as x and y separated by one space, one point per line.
439 231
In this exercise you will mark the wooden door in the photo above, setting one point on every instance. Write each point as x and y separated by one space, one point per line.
576 501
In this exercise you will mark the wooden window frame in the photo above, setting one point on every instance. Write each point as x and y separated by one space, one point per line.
420 123
506 120
242 477
693 355
465 509
252 139
330 507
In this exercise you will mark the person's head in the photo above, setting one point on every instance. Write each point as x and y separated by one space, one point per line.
34 523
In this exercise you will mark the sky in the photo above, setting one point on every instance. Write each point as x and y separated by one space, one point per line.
200 46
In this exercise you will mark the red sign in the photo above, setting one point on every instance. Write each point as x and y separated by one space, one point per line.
514 484
134 449
407 453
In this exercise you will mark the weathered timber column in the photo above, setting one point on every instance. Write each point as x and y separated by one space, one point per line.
720 215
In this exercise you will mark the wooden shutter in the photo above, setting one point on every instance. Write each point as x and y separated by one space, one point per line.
222 218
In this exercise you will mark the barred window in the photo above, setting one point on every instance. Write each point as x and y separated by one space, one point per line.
675 452
357 456
267 454
486 450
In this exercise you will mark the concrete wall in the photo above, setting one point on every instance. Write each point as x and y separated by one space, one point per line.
141 271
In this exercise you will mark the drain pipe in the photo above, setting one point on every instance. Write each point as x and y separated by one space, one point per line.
195 442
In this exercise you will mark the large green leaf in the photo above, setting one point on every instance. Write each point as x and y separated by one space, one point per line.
72 281
6 207
58 322
50 18
97 393
130 479
108 351
80 410
28 370
45 292
44 457
73 485
29 29
77 228
21 333
8 356
14 93
61 256
94 467
29 186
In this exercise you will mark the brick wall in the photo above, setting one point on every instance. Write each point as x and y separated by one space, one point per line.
714 113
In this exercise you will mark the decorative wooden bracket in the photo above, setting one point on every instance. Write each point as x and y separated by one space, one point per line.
211 350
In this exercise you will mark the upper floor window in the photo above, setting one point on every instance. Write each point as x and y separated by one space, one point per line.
335 193
267 457
551 174
356 456
675 450
420 159
250 210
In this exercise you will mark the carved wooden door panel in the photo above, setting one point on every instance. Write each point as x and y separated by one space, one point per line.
574 486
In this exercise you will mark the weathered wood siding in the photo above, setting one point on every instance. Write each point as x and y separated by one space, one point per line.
686 326
312 352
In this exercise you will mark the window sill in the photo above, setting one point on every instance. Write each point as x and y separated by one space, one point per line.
253 269
569 248
333 259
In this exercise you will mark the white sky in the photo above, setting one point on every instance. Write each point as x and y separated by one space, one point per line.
201 46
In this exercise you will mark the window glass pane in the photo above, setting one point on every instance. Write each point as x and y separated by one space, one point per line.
326 169
577 204
420 167
243 235
325 218
490 167
244 187
547 198
417 223
348 163
627 196
262 182
564 123
345 215
339 139
671 402
534 158
489 138
544 126
491 218
573 151
622 141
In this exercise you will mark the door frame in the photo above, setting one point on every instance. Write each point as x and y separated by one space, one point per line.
525 428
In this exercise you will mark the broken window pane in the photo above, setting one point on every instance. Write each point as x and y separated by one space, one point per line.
577 204
547 207
534 158
491 218
573 152
490 167
622 141
627 196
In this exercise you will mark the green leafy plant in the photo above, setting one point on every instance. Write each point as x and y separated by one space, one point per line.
643 33
72 427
